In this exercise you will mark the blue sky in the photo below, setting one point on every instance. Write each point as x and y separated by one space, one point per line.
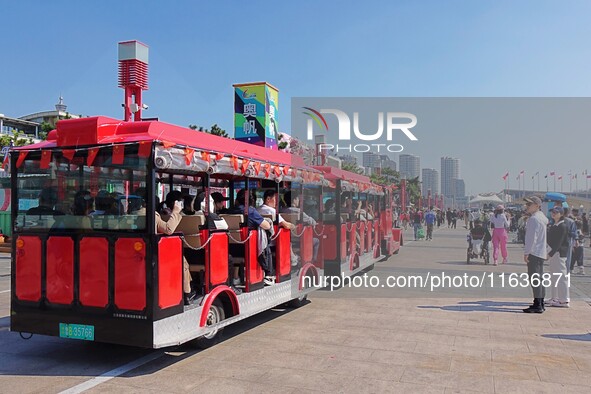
306 48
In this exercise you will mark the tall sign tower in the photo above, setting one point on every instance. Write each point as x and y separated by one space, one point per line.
255 113
133 77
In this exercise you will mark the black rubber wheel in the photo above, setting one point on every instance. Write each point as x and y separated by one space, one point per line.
298 302
468 257
215 315
486 257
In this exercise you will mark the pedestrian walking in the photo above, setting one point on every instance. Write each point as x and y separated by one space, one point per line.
430 222
534 252
578 254
416 222
571 232
559 245
500 224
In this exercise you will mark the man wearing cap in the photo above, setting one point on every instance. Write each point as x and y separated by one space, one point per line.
535 251
219 202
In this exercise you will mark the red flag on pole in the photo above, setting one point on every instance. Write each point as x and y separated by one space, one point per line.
6 161
506 176
92 152
145 149
118 154
245 163
277 171
21 157
234 161
69 153
45 159
189 153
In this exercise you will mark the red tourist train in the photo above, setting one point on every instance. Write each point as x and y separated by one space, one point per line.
88 262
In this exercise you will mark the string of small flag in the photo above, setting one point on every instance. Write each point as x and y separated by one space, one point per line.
584 174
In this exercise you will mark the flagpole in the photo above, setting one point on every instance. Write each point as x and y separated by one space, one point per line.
554 181
533 183
547 183
539 180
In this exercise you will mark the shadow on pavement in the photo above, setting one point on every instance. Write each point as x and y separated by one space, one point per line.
481 306
571 337
52 356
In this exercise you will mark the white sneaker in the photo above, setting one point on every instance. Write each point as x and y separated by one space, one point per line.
560 304
269 280
550 301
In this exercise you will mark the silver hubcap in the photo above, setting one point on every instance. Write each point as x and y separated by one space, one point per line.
213 317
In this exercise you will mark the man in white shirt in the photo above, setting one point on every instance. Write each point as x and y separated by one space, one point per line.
268 208
535 251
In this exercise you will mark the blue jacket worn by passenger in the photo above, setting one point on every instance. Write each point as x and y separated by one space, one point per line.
254 217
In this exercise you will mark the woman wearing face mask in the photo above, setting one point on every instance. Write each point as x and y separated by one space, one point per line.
559 245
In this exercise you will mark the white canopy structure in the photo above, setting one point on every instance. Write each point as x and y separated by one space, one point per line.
486 199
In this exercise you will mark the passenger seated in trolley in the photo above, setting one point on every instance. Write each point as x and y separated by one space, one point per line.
167 226
219 202
47 202
479 237
255 222
329 207
292 205
268 208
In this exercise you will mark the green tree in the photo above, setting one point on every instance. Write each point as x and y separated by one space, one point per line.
352 167
16 139
217 130
413 188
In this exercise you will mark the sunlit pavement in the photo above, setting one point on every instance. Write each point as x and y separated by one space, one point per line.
351 340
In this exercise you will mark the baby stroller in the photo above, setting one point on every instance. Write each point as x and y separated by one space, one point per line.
478 245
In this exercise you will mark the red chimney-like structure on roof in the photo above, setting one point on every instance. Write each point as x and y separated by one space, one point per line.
133 76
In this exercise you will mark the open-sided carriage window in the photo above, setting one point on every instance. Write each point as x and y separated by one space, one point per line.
190 185
311 200
71 195
329 198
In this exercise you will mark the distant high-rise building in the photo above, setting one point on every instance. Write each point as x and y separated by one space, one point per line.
430 181
371 160
410 166
386 162
348 159
459 188
450 169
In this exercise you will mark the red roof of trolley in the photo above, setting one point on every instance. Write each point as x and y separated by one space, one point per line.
78 133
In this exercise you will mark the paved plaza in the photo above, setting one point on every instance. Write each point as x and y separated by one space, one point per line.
351 340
